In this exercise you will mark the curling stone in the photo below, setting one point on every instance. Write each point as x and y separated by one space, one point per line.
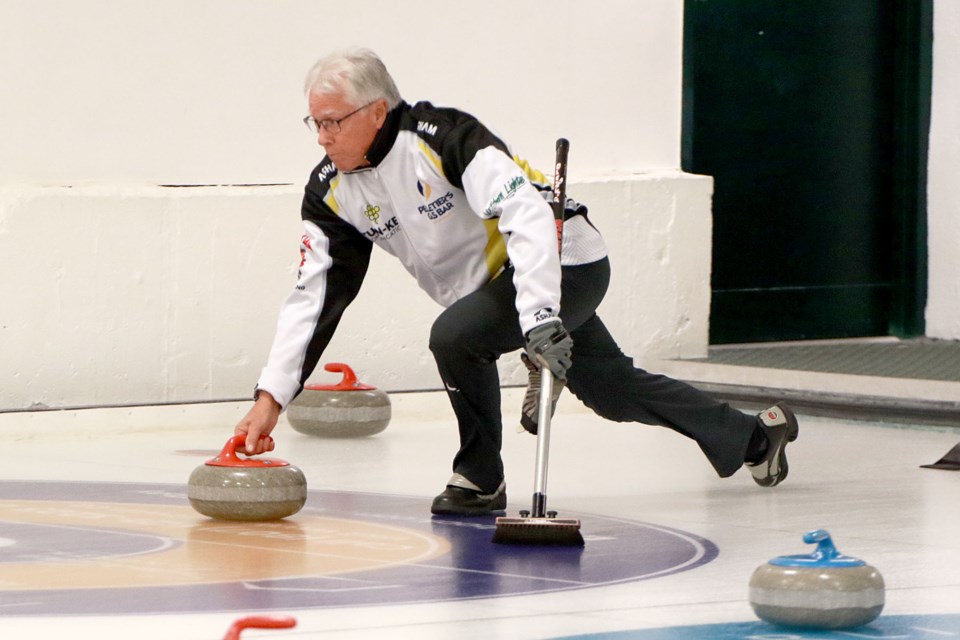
822 590
228 487
348 409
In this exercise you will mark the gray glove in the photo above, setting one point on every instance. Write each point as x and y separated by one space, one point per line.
551 344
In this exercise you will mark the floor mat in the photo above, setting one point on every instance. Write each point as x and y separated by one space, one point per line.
922 359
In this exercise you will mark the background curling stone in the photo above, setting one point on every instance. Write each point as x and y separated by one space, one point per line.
348 409
823 590
228 487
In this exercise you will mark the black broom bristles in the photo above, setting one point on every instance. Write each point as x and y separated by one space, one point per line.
538 531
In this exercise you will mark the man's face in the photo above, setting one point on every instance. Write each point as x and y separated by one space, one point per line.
348 147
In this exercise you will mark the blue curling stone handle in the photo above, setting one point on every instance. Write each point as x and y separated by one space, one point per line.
825 555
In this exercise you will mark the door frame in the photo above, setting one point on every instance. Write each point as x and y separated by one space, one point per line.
913 71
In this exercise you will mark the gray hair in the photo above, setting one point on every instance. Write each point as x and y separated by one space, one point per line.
359 73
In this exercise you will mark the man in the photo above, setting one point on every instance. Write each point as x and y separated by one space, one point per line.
437 190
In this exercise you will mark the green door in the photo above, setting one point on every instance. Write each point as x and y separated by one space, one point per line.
811 115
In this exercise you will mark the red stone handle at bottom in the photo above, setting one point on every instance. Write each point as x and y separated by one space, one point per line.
259 622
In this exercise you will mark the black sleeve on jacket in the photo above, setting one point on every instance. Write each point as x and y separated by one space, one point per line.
349 252
456 136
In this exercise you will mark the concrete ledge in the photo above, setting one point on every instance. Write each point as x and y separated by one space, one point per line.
141 295
839 405
853 397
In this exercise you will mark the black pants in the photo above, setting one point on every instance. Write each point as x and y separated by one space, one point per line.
470 335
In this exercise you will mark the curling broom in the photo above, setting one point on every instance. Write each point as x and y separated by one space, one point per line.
539 526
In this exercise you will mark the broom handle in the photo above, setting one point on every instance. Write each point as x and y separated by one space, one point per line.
544 412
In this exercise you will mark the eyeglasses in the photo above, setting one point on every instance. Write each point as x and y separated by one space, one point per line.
333 126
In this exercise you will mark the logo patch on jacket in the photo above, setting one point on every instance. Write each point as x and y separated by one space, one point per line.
379 231
427 127
373 213
435 208
544 314
326 171
509 189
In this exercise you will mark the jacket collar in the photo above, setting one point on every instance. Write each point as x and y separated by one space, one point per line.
383 141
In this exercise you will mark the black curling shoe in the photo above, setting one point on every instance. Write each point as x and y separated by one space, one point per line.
463 498
780 427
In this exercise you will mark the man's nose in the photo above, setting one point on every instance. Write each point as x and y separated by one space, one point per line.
324 137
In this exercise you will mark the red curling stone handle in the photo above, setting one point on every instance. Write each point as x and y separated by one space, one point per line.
259 622
349 381
228 456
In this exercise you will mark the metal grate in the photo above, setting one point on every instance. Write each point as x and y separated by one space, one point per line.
922 359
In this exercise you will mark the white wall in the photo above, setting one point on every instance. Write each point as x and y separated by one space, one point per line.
210 92
119 291
943 186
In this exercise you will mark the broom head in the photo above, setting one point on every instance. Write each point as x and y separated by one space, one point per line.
538 531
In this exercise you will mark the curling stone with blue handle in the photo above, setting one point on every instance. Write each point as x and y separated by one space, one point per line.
822 590
348 409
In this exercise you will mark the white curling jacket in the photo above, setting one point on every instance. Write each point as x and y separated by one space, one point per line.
446 197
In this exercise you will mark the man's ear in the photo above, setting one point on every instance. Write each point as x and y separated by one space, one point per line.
380 111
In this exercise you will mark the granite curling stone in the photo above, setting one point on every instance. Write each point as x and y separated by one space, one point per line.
822 590
348 409
229 487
